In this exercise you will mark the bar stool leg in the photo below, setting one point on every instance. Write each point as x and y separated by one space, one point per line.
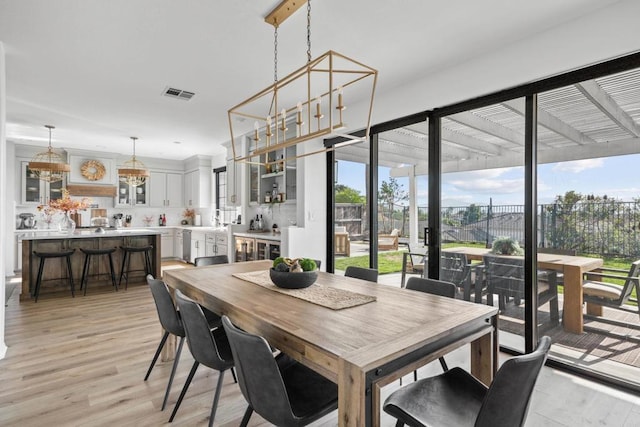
147 260
126 277
85 269
113 273
73 295
39 279
122 271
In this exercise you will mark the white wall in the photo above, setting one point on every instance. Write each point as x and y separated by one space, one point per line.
4 205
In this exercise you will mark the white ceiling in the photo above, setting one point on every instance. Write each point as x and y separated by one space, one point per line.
96 69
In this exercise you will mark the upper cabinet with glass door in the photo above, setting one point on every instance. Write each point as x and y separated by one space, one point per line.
130 196
272 176
33 191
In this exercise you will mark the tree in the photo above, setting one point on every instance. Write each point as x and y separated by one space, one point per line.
471 214
346 194
389 194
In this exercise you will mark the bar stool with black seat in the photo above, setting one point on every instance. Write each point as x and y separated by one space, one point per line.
88 253
46 255
127 252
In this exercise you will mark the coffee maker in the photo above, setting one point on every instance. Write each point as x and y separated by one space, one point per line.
27 221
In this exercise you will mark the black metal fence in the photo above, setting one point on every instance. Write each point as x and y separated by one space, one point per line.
607 227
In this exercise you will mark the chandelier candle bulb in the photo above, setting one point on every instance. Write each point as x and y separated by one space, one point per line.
283 126
256 137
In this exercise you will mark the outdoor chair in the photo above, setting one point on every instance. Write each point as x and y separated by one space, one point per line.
342 242
505 278
208 347
597 293
412 263
434 287
455 268
389 242
281 390
211 260
457 398
369 274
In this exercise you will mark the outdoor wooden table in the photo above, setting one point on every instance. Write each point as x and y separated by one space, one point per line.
573 268
360 348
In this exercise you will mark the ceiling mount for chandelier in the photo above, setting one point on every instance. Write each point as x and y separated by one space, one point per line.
311 99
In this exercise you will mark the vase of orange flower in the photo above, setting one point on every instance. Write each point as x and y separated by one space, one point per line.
67 206
188 215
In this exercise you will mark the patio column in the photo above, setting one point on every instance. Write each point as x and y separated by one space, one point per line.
413 208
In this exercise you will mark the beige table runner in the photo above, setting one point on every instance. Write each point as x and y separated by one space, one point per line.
326 296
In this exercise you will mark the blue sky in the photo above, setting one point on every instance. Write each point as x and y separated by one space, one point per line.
613 176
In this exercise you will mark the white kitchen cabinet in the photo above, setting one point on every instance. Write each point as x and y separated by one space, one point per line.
198 245
166 189
33 191
197 188
130 196
18 264
177 245
217 243
167 249
235 173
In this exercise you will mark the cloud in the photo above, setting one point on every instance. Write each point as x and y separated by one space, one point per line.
497 186
577 166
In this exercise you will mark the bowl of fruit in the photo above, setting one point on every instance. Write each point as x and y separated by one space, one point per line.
296 273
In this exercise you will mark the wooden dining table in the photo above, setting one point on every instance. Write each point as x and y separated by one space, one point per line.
360 348
573 268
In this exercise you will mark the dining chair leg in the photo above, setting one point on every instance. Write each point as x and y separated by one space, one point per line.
233 374
216 397
246 417
184 390
155 357
399 423
173 373
443 363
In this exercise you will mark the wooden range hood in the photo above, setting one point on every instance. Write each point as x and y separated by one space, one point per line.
92 190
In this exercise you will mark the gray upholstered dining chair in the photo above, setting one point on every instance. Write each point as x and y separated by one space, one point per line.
171 322
457 398
281 390
208 347
369 274
211 260
434 287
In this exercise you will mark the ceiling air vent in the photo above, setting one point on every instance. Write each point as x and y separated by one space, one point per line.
172 92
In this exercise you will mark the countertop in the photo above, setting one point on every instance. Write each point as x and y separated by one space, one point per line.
265 235
83 234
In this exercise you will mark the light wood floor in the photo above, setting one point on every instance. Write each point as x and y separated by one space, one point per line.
81 362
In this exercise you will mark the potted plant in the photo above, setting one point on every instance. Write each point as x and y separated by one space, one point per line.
293 273
506 246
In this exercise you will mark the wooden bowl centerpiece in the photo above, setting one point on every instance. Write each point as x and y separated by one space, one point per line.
295 273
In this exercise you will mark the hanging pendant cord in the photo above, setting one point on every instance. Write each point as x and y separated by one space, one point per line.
308 31
275 52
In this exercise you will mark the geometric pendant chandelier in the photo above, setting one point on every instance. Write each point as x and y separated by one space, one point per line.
307 104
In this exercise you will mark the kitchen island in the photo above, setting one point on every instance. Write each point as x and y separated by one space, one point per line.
52 241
